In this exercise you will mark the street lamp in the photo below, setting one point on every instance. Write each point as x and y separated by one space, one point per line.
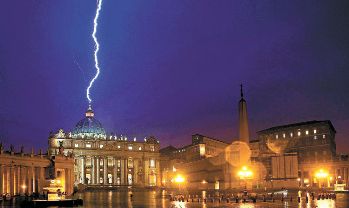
321 174
245 174
179 179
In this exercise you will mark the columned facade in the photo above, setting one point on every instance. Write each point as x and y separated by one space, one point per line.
108 160
118 170
25 173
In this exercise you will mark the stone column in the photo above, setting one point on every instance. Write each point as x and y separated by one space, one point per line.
105 170
29 180
11 180
98 171
5 181
1 179
115 173
23 180
93 172
41 179
122 171
146 171
135 171
83 175
33 178
16 177
20 180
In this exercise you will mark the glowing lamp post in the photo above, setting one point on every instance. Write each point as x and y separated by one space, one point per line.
245 174
321 175
24 188
179 179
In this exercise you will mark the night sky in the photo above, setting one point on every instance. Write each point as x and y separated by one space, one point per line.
172 68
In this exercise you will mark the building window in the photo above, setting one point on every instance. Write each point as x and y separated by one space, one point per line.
119 163
306 132
323 136
284 135
88 145
118 146
76 145
101 146
299 133
315 131
139 148
130 147
315 137
152 148
276 136
291 134
152 163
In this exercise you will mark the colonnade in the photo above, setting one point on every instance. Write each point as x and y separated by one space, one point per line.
18 179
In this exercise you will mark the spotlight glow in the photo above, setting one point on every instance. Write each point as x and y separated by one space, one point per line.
95 25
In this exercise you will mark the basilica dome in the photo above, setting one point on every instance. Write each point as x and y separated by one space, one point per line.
89 127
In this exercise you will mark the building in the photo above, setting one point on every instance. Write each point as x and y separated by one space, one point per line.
312 140
22 173
111 160
313 148
292 156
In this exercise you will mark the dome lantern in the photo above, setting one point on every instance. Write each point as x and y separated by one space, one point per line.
89 112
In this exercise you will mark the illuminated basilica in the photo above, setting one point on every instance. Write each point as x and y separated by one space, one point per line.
108 160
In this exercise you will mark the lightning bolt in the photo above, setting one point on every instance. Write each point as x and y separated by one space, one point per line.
95 25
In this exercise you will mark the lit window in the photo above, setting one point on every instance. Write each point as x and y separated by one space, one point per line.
306 132
119 164
315 131
152 148
291 134
101 146
324 136
152 163
130 147
88 145
139 148
76 145
315 137
118 146
284 135
299 133
134 139
276 136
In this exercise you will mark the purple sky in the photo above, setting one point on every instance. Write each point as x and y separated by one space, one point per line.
172 68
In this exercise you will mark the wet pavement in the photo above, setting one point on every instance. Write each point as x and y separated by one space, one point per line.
148 198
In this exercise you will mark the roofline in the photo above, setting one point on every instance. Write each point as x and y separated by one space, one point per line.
211 138
298 124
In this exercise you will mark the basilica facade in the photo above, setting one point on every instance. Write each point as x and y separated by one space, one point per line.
107 160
